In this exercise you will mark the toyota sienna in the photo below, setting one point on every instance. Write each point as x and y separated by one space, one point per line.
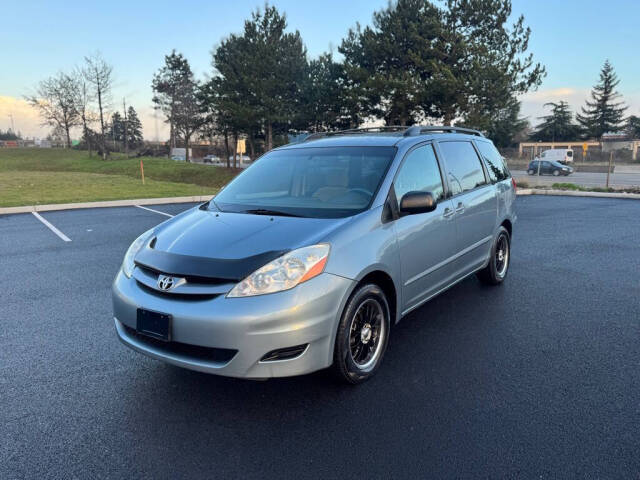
308 257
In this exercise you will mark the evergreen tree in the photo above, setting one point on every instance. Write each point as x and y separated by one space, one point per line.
178 95
501 125
116 129
458 62
259 77
231 103
633 127
557 126
275 63
603 113
484 65
389 64
323 100
134 128
9 135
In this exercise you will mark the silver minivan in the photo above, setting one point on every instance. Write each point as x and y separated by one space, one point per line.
308 257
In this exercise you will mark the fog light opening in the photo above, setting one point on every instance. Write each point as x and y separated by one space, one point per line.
288 353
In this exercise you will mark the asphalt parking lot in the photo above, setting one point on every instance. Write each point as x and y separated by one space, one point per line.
537 378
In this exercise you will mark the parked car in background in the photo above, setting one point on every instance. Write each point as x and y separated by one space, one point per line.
211 158
242 161
180 154
544 167
562 155
306 259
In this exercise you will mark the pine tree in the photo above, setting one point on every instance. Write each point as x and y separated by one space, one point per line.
134 128
116 129
557 126
603 114
178 94
633 127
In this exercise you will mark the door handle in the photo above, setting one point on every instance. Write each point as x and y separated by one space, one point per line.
448 212
460 207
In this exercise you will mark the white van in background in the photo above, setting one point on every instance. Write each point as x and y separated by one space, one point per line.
562 155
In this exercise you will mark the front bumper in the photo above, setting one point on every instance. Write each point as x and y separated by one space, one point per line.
306 314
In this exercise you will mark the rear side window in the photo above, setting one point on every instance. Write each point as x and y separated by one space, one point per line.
496 167
463 166
419 172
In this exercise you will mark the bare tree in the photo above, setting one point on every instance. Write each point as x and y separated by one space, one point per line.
55 101
83 100
99 74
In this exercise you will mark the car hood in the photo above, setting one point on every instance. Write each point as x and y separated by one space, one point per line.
221 235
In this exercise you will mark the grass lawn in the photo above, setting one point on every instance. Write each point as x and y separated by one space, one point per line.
31 176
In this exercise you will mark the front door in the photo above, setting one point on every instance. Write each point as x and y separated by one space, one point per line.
426 241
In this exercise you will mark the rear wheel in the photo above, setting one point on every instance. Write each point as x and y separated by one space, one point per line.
495 272
530 171
363 334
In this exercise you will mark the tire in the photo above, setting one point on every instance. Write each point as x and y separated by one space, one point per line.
530 171
363 335
556 173
496 271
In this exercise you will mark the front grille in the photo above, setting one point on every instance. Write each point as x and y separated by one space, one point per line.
188 278
177 296
208 354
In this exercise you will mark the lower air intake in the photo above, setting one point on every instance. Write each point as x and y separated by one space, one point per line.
288 353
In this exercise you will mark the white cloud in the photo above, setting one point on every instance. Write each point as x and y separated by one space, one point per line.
25 117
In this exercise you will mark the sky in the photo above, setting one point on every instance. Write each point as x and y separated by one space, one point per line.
572 38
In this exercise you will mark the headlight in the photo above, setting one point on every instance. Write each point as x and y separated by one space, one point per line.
285 272
136 246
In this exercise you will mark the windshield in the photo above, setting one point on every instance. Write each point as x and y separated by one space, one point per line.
325 182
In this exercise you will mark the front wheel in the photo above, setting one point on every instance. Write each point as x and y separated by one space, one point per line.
495 272
556 173
363 334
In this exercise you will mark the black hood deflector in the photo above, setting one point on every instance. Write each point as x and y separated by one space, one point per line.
222 269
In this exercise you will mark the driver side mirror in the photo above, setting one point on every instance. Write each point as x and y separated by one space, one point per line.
417 202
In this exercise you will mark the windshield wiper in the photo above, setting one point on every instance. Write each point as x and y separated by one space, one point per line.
264 211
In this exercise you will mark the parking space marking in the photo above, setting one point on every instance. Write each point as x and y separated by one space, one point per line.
51 227
154 211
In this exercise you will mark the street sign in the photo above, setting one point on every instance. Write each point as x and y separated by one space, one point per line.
241 146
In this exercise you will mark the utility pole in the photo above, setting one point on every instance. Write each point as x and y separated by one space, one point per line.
155 118
13 127
609 168
126 139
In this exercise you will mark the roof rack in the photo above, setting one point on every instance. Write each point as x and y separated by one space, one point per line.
419 130
351 131
405 131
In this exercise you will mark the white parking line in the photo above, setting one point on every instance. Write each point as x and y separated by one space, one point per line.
152 210
51 227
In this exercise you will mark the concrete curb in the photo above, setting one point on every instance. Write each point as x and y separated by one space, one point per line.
574 193
104 204
205 198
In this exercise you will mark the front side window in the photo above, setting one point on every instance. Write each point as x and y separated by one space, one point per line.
463 166
496 167
419 172
321 182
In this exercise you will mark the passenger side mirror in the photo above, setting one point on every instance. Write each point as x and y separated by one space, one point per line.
417 202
